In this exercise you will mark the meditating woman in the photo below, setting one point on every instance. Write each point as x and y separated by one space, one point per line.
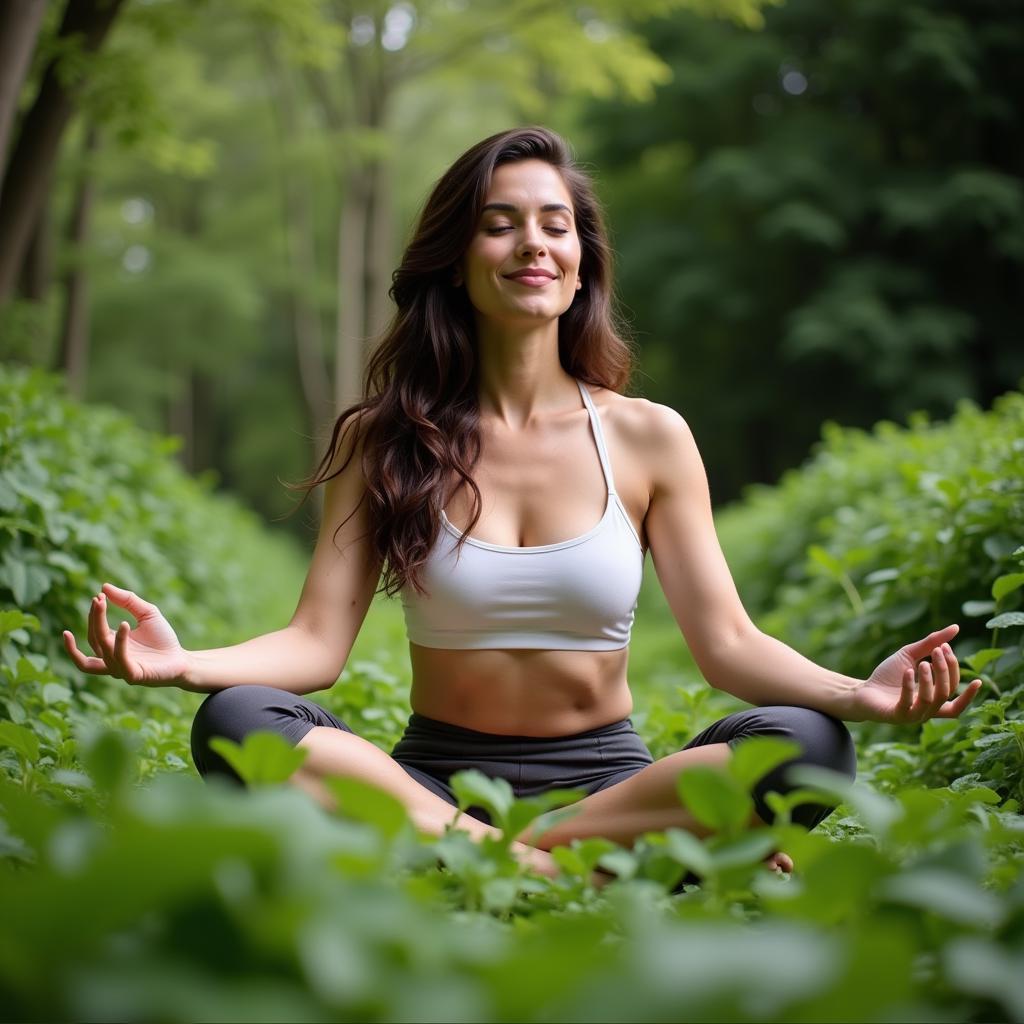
496 477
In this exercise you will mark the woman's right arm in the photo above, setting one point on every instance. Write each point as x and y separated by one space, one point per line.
306 655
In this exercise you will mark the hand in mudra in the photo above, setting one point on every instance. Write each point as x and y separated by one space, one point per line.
890 693
149 654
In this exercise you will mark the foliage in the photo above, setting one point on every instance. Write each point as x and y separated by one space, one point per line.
85 498
134 890
802 238
890 534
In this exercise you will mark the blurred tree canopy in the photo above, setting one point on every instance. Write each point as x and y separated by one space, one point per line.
207 236
225 188
823 220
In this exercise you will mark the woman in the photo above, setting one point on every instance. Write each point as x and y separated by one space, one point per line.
492 433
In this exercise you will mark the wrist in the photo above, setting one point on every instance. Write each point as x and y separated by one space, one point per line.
189 679
849 701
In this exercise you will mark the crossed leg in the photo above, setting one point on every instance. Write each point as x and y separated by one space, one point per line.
646 801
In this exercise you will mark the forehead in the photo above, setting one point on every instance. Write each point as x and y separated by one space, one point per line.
528 183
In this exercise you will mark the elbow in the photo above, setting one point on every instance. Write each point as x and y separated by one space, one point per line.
724 658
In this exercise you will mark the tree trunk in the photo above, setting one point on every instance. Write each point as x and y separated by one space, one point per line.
381 257
19 29
301 250
39 137
74 335
37 268
348 367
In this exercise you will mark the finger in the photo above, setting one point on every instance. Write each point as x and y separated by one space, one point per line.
940 673
104 634
901 712
94 629
921 648
925 692
954 670
128 600
126 665
84 662
956 707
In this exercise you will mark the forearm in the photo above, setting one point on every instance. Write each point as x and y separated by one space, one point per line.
290 659
761 670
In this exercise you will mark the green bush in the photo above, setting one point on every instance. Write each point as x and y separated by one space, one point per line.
883 537
132 889
86 498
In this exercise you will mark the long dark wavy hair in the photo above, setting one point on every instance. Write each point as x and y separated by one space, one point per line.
418 420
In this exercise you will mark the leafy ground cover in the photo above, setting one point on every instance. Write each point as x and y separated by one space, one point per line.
133 890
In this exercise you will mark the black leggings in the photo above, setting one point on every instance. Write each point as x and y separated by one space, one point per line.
431 751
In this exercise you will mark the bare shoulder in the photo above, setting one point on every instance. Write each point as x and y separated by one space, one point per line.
656 436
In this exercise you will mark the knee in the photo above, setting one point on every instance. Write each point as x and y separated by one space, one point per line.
223 713
824 741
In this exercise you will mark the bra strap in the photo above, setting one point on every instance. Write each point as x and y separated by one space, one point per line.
595 422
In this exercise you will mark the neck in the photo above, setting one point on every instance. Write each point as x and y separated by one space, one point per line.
521 378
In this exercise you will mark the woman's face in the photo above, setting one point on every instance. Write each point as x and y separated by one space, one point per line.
524 260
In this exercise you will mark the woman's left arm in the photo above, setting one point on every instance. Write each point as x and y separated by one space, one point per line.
918 682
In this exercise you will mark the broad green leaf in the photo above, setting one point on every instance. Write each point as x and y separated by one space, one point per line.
976 608
368 803
582 855
947 894
107 755
539 809
755 756
620 862
263 758
748 849
825 559
56 693
980 659
23 741
1007 584
688 850
474 789
714 798
13 618
499 893
1005 620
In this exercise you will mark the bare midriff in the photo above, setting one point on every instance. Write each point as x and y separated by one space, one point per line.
521 692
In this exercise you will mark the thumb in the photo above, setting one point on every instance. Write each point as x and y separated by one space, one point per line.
127 599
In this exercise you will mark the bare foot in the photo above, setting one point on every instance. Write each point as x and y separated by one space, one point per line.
779 862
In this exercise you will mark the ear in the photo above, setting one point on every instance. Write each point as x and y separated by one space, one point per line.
457 278
579 283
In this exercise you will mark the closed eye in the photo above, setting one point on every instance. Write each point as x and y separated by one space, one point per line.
502 229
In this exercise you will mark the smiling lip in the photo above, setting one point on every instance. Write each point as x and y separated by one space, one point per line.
533 277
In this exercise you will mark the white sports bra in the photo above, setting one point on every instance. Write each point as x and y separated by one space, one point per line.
578 595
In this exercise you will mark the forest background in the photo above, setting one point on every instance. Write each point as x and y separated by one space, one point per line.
817 210
819 220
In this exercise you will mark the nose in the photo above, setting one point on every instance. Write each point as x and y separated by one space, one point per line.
532 243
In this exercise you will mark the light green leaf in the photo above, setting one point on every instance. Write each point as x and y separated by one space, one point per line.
1007 584
975 608
687 849
23 741
756 756
714 798
365 802
980 659
474 789
539 809
263 758
1006 619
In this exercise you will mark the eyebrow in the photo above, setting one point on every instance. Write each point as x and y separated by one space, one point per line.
512 208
